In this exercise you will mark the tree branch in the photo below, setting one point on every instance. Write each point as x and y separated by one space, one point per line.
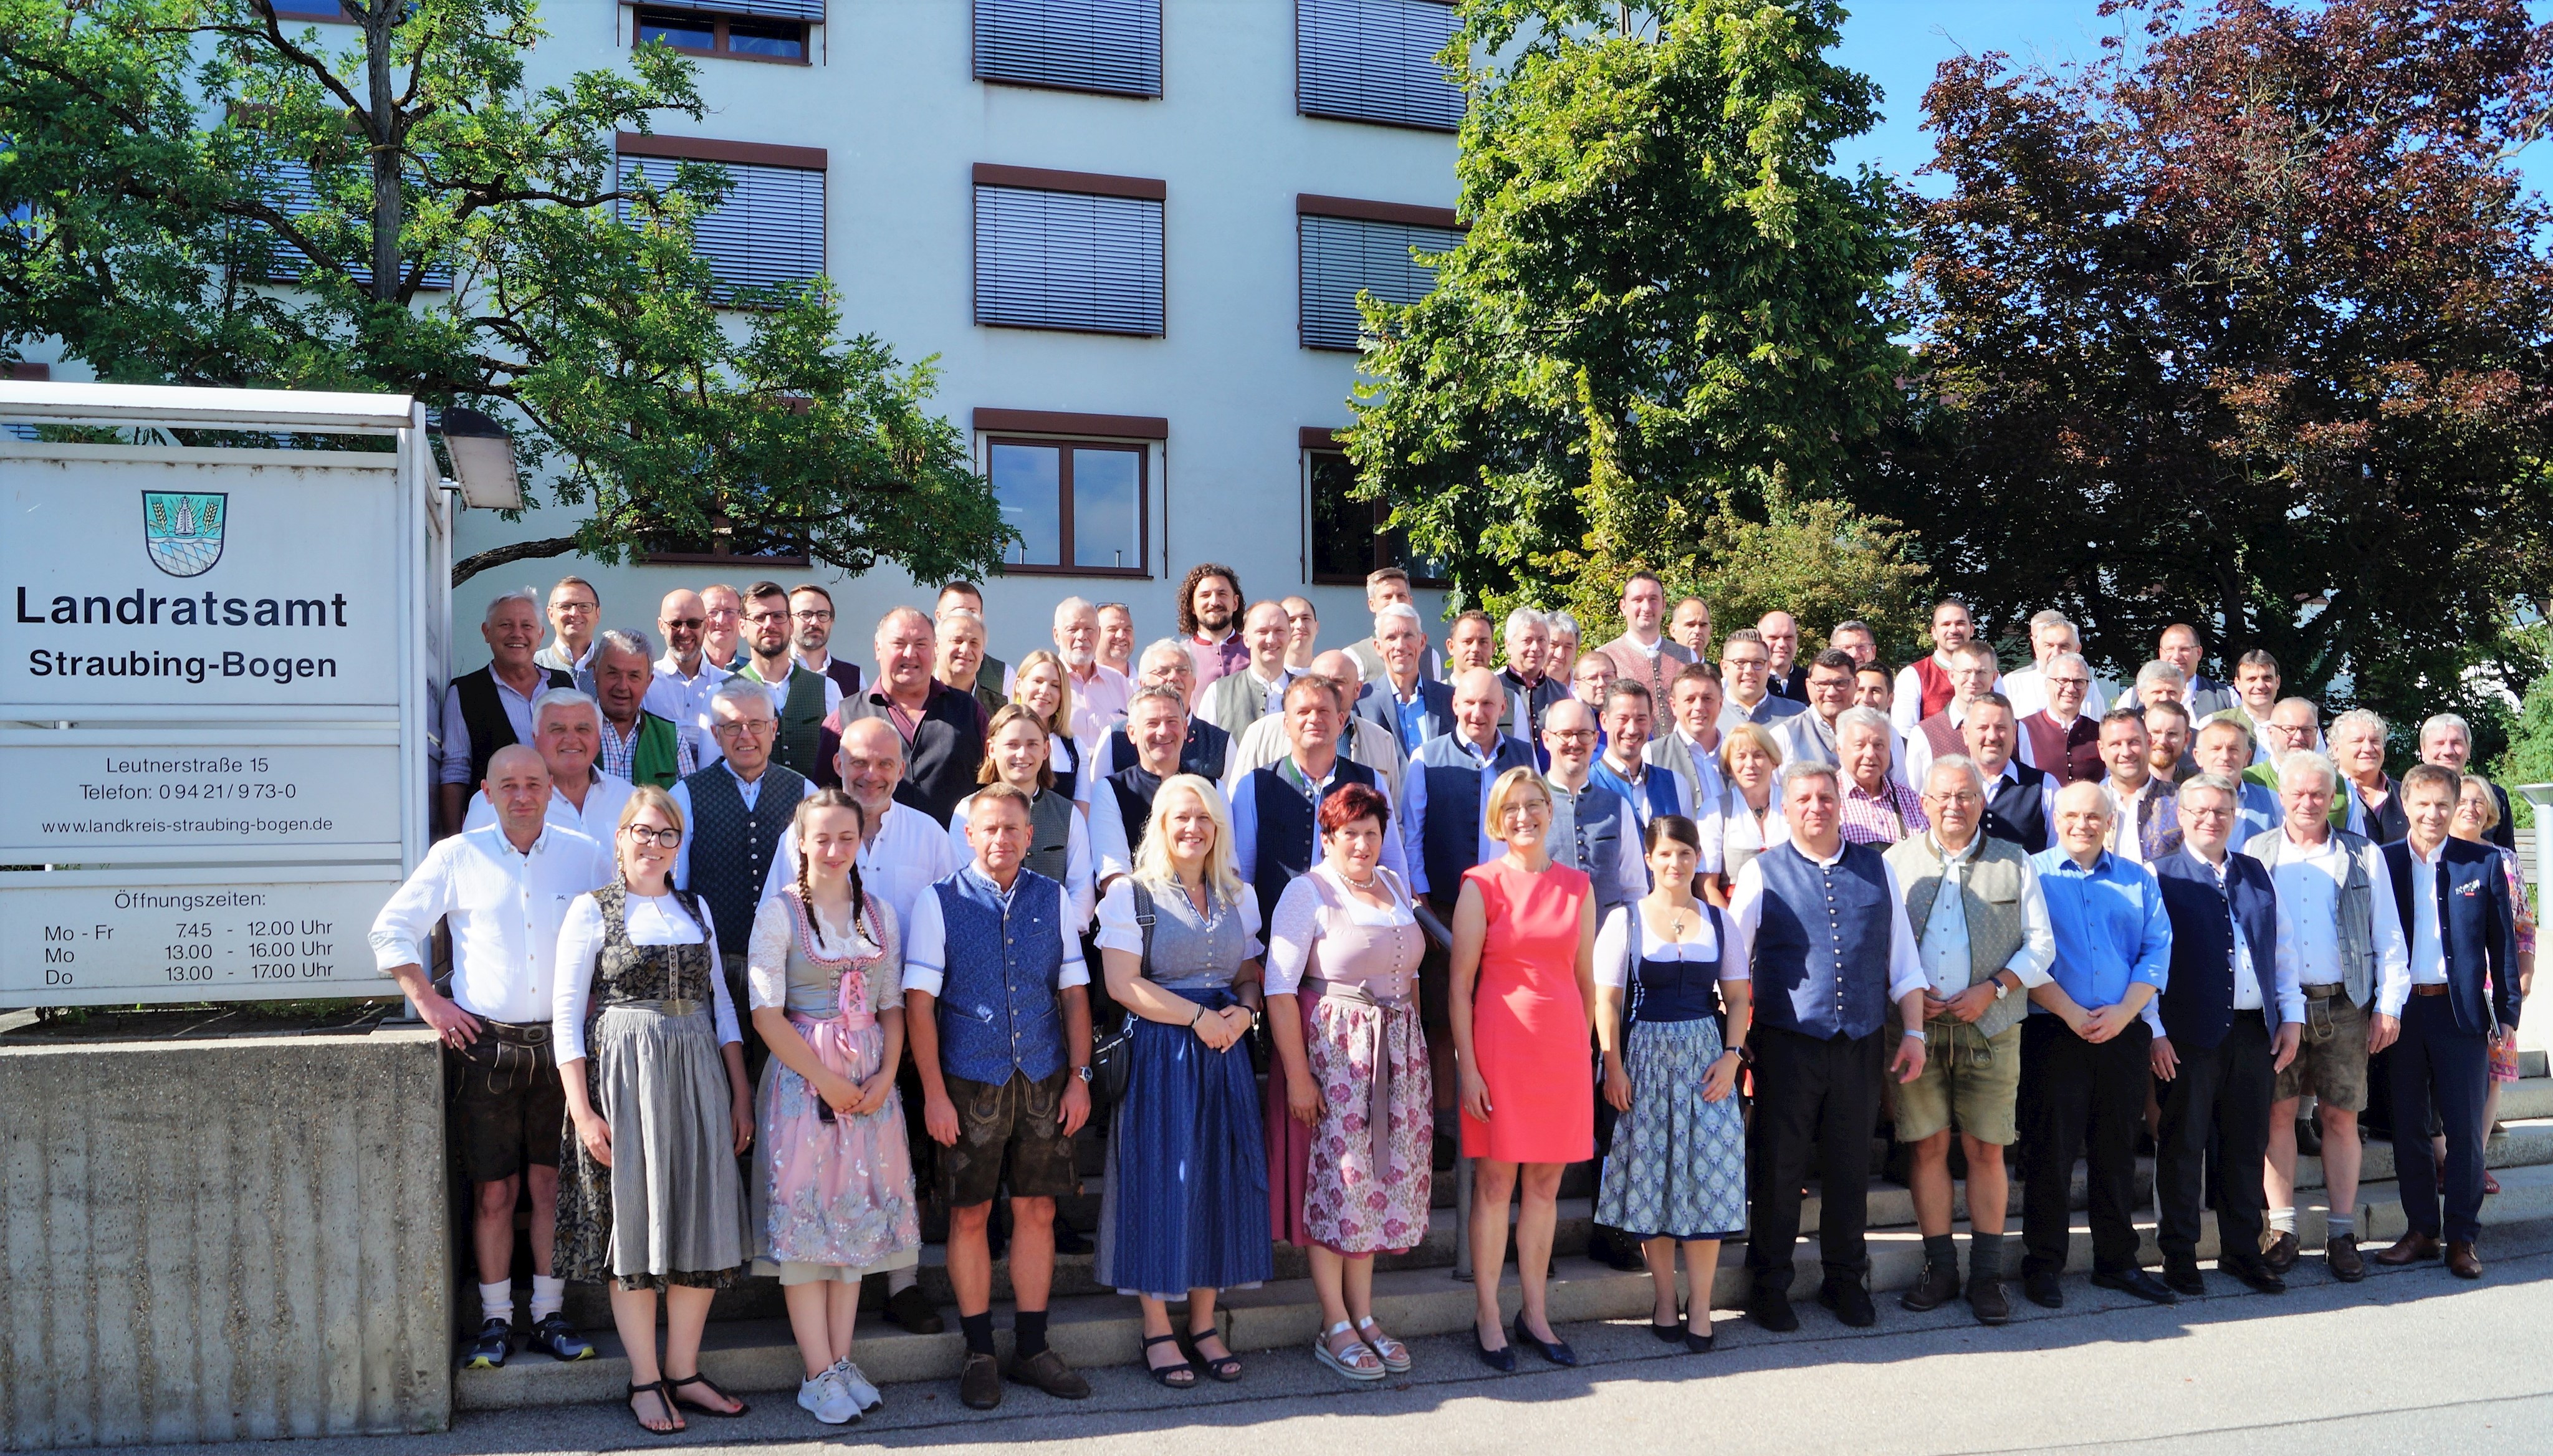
497 556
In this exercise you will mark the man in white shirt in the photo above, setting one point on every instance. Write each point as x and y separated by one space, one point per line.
1117 638
685 677
1388 586
1237 700
722 627
811 640
2144 820
2336 924
1691 744
1302 632
1923 688
1099 691
2255 694
1369 742
567 733
490 708
503 889
575 613
2050 632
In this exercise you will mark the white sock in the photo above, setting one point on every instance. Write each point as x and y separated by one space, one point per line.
497 1300
548 1296
2339 1225
900 1280
2283 1221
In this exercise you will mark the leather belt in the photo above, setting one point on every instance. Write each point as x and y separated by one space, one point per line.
2324 993
2426 988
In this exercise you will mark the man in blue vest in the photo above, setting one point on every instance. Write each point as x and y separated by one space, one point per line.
1650 789
2453 899
1276 835
1821 923
1005 1079
2083 1048
2232 1014
1593 830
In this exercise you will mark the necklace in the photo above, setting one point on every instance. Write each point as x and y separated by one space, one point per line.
1364 886
1675 923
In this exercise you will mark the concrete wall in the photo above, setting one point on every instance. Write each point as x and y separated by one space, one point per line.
223 1240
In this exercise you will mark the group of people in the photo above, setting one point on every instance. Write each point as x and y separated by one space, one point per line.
761 964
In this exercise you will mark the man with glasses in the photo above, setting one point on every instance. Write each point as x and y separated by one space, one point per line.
2050 632
739 810
2294 727
1973 673
811 616
1854 638
685 677
723 626
804 700
2180 648
1204 749
575 613
2062 739
1745 667
1812 734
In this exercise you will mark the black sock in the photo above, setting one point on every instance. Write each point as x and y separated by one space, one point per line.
1028 1333
1940 1251
980 1332
1985 1256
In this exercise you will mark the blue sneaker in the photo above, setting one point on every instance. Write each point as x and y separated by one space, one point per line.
488 1352
553 1336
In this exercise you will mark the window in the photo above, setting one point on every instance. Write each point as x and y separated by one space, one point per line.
727 544
291 190
1111 46
325 12
765 32
1075 487
1067 251
1348 247
1376 61
1349 539
769 231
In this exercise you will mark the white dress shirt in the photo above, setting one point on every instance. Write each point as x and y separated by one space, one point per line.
926 947
2428 950
1746 915
779 691
784 864
653 920
1944 936
906 853
598 820
1265 742
685 700
1077 890
2309 882
2027 690
452 765
2283 974
1245 829
503 907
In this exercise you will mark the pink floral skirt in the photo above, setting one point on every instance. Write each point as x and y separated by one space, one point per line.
1358 1182
835 1194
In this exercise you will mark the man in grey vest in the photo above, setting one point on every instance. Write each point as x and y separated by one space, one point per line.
1821 923
1593 829
2335 916
1981 927
737 812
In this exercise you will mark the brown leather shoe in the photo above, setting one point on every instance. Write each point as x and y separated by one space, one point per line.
1046 1371
979 1383
2340 1256
2411 1248
2278 1251
2461 1260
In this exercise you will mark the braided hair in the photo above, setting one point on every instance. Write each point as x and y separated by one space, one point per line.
828 799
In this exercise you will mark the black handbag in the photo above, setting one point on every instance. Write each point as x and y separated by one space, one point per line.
1112 1052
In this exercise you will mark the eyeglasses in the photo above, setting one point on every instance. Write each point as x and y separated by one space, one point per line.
671 622
760 617
667 837
2069 682
1571 735
756 727
810 616
1964 796
578 609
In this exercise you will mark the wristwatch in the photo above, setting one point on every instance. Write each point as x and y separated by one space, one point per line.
2001 991
1082 1073
1745 1055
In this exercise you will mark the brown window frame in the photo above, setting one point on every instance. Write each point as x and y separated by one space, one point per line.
1390 548
343 17
1064 445
717 23
721 552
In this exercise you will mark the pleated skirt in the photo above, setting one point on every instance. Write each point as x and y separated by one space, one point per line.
1186 1204
671 1208
1678 1165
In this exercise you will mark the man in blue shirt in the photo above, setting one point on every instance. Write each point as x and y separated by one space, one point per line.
2084 1048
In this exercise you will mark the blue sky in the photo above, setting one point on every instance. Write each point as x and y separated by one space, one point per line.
1898 42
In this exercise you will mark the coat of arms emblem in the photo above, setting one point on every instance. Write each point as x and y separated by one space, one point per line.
183 530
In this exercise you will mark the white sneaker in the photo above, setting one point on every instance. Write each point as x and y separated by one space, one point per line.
859 1385
826 1399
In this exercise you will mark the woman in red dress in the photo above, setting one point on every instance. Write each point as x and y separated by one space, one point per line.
1523 1001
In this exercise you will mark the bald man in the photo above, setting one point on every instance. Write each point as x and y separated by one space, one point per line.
1236 700
1369 742
685 677
1787 676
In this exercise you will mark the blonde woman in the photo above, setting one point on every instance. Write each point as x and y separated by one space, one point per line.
658 1112
1186 1211
1016 752
2476 814
1523 1002
1750 801
834 1201
1040 682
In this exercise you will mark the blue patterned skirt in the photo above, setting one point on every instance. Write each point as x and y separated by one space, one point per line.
1677 1166
1186 1199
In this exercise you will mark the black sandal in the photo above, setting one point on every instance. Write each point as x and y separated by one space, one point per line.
1227 1368
673 1412
701 1379
1169 1374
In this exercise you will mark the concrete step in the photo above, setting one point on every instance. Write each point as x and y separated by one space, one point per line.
2530 1096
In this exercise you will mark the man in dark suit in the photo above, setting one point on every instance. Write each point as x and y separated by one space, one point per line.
1404 698
2232 1015
2020 802
2457 915
2446 741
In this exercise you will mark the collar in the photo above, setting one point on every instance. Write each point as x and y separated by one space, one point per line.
672 666
753 670
2111 787
1091 676
1556 786
2429 861
1976 842
1828 861
1485 755
976 869
556 649
635 724
1418 687
1284 675
810 660
1638 770
1515 680
2066 864
2011 773
730 765
1886 790
1202 640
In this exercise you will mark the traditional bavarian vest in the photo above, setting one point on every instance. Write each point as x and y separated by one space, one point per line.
483 713
801 720
1674 990
657 759
1202 753
2016 809
1938 690
1990 899
1050 834
1286 823
2072 752
732 845
2197 1000
998 1008
1822 949
2356 901
1450 840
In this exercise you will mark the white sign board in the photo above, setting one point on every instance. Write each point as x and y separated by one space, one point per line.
87 938
214 672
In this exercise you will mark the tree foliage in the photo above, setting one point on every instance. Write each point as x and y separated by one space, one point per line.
1666 306
2244 324
208 195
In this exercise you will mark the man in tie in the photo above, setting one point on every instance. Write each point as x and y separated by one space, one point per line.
2232 1014
2451 898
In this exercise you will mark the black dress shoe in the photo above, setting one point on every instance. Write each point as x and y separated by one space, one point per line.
2254 1274
2280 1255
1555 1351
2341 1257
2135 1282
1698 1344
1986 1301
1938 1285
1502 1359
2044 1291
1069 1240
1849 1301
2184 1279
979 1381
1668 1334
913 1309
1771 1309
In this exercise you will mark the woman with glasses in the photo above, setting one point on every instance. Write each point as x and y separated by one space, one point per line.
658 1112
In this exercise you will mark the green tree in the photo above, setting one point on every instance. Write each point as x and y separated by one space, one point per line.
2244 324
209 195
1667 306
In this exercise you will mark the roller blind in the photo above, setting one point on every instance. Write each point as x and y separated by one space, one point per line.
1342 256
289 189
1067 260
1375 61
1087 45
769 230
810 10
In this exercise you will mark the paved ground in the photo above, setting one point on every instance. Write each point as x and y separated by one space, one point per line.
2412 1360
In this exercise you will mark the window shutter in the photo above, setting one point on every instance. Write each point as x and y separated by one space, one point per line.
1067 260
768 230
291 190
1375 61
810 10
1342 256
1110 46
